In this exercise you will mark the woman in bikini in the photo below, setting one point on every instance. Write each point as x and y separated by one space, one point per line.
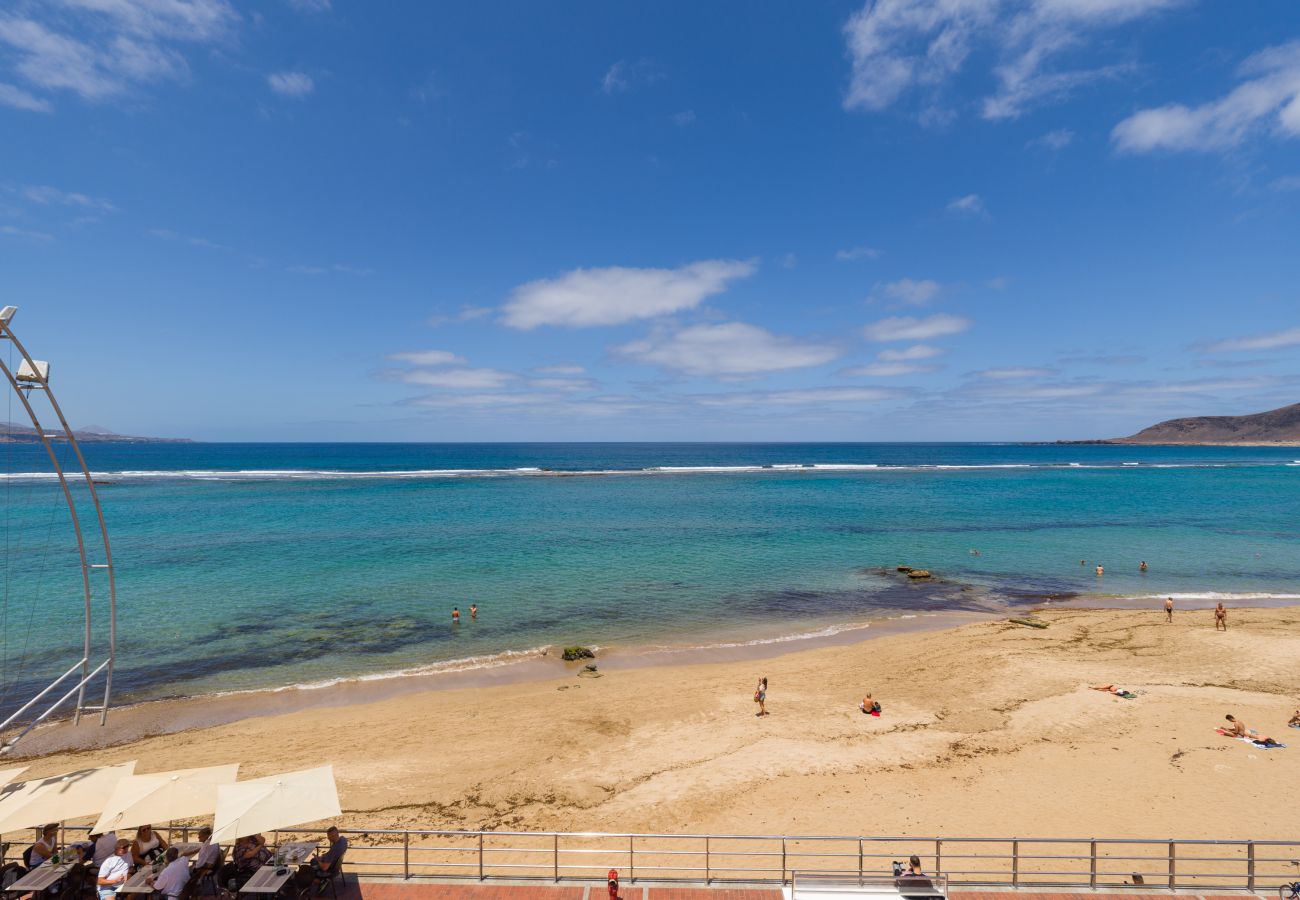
760 697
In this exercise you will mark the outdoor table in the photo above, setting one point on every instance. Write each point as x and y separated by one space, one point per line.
268 879
138 883
41 877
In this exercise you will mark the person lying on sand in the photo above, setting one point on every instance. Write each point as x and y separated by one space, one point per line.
869 706
1295 720
1238 729
1117 691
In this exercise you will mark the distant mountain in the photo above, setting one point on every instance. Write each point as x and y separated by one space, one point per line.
92 434
1277 426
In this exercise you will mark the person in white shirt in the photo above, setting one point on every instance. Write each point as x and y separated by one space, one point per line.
172 879
45 846
210 854
115 870
105 845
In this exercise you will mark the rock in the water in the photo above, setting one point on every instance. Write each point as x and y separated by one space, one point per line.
575 653
918 573
904 569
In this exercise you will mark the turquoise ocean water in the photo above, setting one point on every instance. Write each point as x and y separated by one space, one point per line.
244 566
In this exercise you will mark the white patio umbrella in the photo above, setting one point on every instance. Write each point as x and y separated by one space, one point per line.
8 775
274 802
163 796
59 797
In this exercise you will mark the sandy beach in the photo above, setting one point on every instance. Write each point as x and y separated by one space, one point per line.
988 729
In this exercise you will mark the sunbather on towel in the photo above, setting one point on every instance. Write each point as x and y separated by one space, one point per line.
1117 691
1238 729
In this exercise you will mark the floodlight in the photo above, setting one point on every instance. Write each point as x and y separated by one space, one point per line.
6 314
35 372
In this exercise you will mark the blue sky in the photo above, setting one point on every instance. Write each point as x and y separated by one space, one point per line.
926 220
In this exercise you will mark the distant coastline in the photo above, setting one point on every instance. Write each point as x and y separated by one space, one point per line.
1273 428
22 434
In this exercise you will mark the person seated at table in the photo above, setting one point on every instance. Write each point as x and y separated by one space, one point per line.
43 847
249 855
105 846
115 870
174 876
209 855
147 845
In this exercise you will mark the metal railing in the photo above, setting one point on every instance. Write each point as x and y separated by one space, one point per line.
1163 864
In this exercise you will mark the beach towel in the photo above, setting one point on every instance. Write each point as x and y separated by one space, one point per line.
1245 740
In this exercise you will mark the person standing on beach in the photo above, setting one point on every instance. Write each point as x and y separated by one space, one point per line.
1169 609
760 697
473 610
1220 617
455 615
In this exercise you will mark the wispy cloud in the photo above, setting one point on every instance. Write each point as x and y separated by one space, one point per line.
683 118
336 268
427 357
615 295
968 205
311 6
1269 340
1054 140
626 75
294 85
910 292
17 98
889 370
730 349
458 379
560 369
1267 100
50 196
854 253
918 351
1015 373
98 49
908 328
905 47
799 397
167 234
466 314
14 231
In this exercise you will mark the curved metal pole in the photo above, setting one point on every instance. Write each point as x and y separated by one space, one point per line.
103 531
86 675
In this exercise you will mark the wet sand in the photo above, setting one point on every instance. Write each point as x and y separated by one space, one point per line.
988 729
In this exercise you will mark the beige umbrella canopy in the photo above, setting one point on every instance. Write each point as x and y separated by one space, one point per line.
8 775
59 797
163 796
277 801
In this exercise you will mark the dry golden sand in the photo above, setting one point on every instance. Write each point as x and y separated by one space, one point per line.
989 729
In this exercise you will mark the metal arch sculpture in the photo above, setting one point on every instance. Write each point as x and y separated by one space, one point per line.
33 375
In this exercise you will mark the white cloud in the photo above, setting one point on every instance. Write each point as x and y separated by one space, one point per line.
969 205
17 98
291 84
466 314
561 384
615 295
908 328
900 47
1014 373
731 349
311 6
1272 340
459 379
623 76
889 370
1268 100
799 397
325 270
683 118
14 231
119 43
860 252
918 351
910 292
789 261
1286 183
1055 140
427 357
47 196
560 369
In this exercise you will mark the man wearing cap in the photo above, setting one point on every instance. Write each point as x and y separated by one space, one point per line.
115 870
